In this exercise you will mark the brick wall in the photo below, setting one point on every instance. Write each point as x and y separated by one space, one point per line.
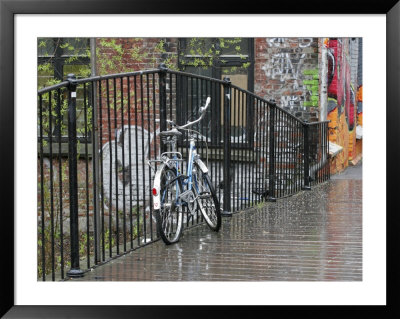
137 54
286 69
129 55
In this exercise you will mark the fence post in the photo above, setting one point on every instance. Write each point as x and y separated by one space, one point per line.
226 211
95 156
75 271
306 157
271 153
163 101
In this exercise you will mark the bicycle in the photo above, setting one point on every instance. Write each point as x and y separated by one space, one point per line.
172 191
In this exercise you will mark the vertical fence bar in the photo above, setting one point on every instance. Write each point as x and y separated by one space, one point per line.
253 159
215 152
190 115
42 188
154 126
250 104
279 151
50 135
285 158
306 157
96 177
61 183
271 154
95 156
227 149
149 148
234 106
264 153
137 163
123 163
115 165
75 271
301 154
293 154
85 116
258 155
103 247
110 177
163 100
143 160
130 161
242 154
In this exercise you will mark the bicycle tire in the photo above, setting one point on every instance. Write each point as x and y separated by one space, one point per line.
207 200
169 218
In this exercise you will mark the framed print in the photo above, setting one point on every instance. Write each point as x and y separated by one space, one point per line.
25 28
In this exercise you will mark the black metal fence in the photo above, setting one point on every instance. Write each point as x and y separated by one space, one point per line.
96 135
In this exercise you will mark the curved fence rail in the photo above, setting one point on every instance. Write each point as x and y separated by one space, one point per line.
96 135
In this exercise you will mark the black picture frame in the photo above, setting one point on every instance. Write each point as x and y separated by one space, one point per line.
8 10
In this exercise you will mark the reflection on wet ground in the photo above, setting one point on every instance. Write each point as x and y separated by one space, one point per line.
312 236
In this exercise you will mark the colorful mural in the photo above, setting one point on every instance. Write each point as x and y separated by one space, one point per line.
343 107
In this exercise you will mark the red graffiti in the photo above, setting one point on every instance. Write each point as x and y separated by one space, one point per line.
332 69
339 88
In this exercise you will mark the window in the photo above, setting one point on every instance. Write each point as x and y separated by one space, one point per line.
58 57
219 58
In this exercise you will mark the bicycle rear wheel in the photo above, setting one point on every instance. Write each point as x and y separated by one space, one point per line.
169 217
207 199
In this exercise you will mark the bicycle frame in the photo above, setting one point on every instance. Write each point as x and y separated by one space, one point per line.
192 154
192 158
187 183
193 191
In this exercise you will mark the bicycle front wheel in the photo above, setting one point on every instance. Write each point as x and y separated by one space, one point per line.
207 199
169 217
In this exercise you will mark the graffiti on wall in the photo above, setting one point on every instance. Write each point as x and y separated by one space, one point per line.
286 64
283 67
360 84
289 42
344 98
334 93
341 94
359 105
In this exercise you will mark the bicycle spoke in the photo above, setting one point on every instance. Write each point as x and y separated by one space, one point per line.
206 200
169 217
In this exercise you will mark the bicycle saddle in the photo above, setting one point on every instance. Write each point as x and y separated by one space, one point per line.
172 132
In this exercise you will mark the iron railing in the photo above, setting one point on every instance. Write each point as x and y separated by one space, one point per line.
95 136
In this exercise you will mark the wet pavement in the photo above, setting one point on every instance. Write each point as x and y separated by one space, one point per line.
312 236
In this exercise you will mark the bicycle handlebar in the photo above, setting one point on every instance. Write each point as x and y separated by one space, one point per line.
202 113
